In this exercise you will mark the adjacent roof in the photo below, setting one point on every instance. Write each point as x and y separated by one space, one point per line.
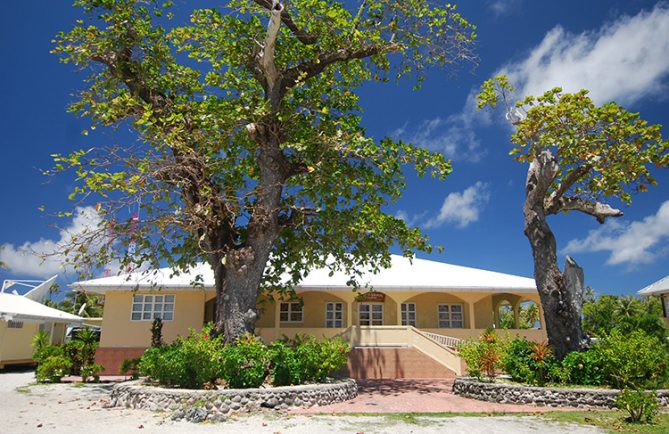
403 275
657 288
20 308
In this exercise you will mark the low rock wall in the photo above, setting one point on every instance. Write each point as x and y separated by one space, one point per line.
201 405
542 396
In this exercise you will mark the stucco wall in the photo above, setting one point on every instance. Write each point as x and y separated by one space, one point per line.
16 344
119 331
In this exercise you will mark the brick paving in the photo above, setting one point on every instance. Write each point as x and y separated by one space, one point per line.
415 396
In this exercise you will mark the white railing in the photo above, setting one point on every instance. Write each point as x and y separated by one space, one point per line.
446 341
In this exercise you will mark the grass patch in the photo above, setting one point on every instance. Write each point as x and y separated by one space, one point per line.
611 420
78 384
23 389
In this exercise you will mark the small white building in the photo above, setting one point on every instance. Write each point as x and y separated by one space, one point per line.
659 289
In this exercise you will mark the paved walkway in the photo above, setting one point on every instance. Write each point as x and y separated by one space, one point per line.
415 396
26 408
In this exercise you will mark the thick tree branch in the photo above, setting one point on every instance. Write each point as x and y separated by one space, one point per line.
600 211
312 68
266 56
553 202
302 36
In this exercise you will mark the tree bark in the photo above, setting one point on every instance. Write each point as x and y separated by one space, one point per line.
561 310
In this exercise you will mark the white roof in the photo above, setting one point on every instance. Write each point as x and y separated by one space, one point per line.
657 288
403 275
20 308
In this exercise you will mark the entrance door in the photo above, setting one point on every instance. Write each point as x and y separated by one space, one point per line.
370 314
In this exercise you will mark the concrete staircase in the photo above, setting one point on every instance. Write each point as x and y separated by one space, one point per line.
394 363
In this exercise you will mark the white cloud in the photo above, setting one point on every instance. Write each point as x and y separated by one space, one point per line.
632 243
625 60
42 258
453 136
461 208
503 7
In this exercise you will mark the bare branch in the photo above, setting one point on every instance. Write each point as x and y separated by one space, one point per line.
601 211
266 55
302 36
552 203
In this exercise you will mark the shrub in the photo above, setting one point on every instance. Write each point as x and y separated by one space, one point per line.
528 362
40 342
286 368
583 367
53 368
246 363
91 371
189 363
636 359
641 406
130 367
483 356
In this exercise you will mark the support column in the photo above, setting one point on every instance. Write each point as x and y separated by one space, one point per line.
516 316
277 318
472 316
349 314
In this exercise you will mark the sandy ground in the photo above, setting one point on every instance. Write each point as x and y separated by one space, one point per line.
73 409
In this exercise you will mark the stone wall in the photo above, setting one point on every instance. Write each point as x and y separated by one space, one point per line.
542 396
200 405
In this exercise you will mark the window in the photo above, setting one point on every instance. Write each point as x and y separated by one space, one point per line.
148 307
409 314
290 312
450 316
13 324
334 315
371 314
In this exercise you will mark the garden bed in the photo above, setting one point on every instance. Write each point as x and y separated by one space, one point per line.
542 396
201 405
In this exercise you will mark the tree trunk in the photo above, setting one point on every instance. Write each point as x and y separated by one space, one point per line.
561 310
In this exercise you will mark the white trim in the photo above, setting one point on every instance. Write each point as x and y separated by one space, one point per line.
450 313
334 320
290 312
153 303
402 313
371 312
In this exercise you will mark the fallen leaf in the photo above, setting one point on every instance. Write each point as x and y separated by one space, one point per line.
39 425
141 427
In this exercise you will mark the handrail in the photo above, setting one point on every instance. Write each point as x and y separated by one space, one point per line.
447 341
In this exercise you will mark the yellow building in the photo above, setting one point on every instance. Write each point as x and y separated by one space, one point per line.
20 319
404 324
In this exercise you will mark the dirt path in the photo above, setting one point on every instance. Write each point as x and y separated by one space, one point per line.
71 409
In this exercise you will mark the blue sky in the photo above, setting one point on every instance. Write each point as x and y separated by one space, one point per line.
617 49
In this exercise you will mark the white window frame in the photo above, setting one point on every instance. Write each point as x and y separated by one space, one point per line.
371 319
448 322
406 309
158 307
292 307
331 308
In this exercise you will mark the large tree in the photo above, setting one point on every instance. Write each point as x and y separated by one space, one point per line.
252 154
581 157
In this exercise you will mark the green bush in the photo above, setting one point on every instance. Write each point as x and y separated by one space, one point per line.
528 362
130 367
189 363
286 368
483 356
53 368
636 359
583 367
91 371
246 363
641 406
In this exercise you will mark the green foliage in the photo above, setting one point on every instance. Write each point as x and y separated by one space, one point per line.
483 356
305 359
641 405
210 119
42 347
633 360
157 333
91 371
583 367
528 362
189 363
245 363
626 314
53 368
130 367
